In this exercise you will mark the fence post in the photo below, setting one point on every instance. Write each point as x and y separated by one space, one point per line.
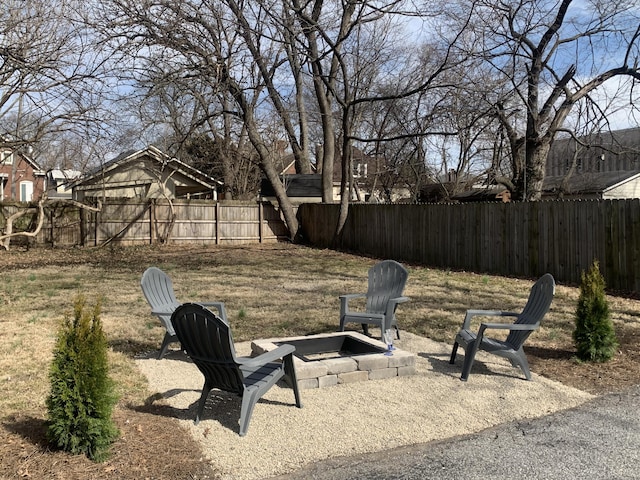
83 227
217 223
152 217
260 222
96 229
52 227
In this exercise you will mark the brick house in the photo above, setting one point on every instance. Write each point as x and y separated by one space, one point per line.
21 178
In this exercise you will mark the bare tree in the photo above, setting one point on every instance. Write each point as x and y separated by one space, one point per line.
548 56
51 73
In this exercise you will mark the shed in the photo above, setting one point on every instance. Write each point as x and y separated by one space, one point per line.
145 174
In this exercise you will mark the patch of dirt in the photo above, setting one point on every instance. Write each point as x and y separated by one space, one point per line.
559 364
153 446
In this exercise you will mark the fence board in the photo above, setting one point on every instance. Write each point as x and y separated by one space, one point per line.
130 223
520 238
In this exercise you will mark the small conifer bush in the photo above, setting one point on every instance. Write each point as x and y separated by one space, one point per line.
82 396
594 335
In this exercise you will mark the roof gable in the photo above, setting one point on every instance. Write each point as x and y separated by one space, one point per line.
131 157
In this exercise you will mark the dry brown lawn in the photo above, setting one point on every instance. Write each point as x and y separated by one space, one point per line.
269 290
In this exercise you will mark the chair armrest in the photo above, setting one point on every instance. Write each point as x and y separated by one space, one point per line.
506 326
219 306
349 296
510 326
266 357
485 313
344 301
397 300
166 309
393 304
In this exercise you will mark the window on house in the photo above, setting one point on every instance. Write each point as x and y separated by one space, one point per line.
26 191
6 157
359 170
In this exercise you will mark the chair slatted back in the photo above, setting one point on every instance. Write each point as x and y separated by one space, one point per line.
207 340
157 287
537 306
387 280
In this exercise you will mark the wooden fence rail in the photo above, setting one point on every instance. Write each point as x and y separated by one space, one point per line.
131 223
518 239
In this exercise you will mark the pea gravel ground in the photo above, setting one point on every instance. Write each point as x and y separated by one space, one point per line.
352 419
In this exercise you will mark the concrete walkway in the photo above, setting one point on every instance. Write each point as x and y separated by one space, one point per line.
598 440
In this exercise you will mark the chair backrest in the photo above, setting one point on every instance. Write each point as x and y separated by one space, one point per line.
157 287
537 306
386 280
207 340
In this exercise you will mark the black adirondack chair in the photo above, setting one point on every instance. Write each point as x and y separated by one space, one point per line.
207 340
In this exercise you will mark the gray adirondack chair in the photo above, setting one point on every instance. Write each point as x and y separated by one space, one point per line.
386 280
157 288
207 339
527 321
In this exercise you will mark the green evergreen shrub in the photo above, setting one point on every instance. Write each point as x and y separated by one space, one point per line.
81 400
594 335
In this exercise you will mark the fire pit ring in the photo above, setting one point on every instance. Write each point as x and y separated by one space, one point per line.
342 357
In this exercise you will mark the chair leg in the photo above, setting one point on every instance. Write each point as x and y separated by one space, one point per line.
249 400
365 329
290 371
397 332
522 362
469 357
165 344
452 360
203 399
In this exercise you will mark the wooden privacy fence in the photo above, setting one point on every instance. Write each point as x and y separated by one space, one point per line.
514 239
131 223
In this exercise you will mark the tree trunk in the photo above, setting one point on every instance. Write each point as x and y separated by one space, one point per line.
535 172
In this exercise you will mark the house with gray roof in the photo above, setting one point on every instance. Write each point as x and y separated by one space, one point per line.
593 185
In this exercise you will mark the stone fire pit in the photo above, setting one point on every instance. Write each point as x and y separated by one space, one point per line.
342 357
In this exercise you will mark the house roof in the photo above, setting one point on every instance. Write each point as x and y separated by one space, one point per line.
64 174
589 183
483 195
298 185
37 169
156 155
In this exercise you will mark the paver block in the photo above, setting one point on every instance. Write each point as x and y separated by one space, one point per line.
408 370
352 377
309 369
402 359
372 362
383 373
308 383
340 365
327 381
